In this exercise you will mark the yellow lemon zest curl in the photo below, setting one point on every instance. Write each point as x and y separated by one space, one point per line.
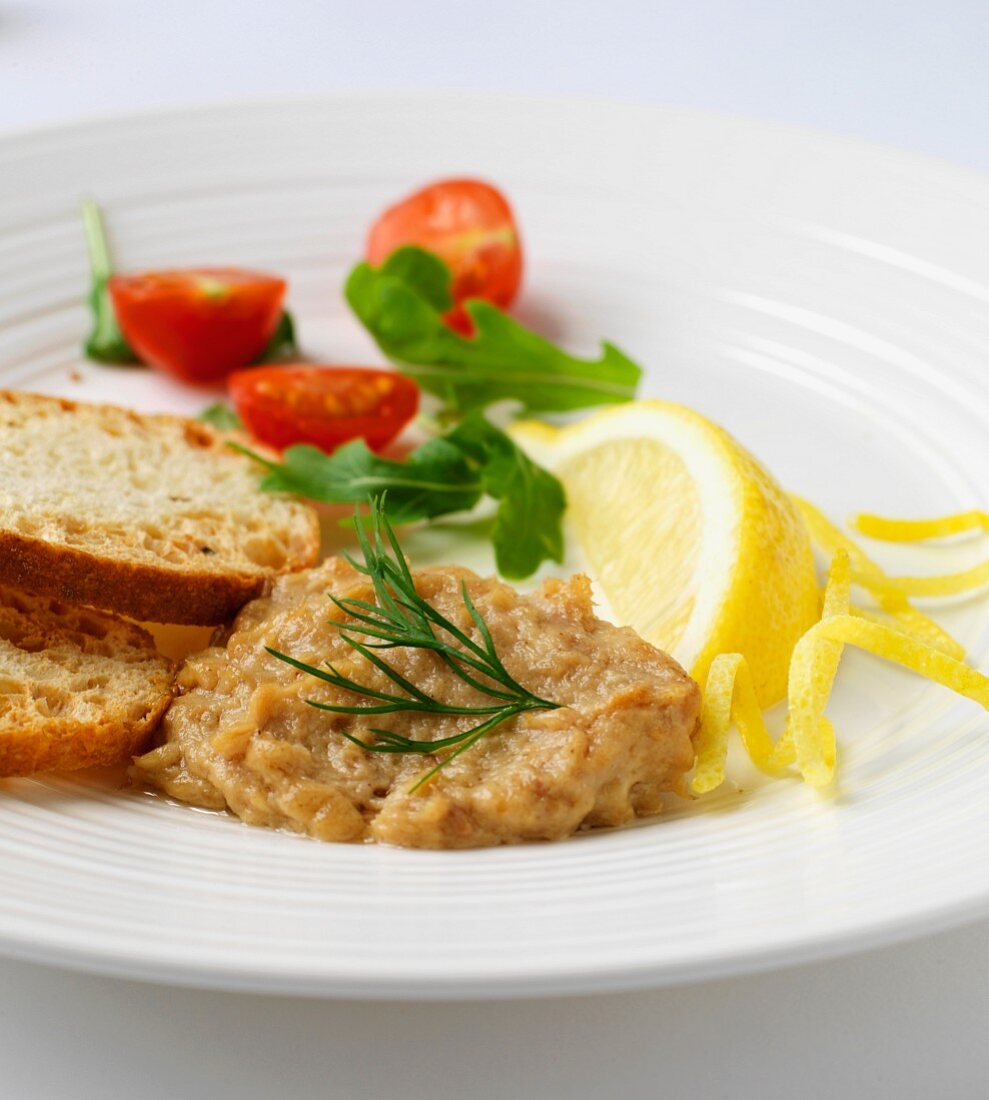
871 576
943 584
729 697
918 530
912 640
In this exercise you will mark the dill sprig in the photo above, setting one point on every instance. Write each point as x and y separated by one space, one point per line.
401 619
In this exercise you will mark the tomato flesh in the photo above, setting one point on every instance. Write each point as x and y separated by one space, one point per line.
322 405
198 324
468 224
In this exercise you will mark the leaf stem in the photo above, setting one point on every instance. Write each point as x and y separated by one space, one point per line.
106 342
96 243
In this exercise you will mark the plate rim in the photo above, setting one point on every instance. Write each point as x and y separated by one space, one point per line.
216 105
531 985
840 941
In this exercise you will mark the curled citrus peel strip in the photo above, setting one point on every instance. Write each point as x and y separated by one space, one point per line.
811 744
944 584
807 700
916 530
889 594
729 697
809 740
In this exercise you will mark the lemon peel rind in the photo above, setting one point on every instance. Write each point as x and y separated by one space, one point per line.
882 641
813 668
809 740
888 529
729 698
871 576
749 522
778 569
896 631
940 584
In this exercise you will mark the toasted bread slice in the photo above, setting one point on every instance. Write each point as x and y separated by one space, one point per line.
78 688
149 516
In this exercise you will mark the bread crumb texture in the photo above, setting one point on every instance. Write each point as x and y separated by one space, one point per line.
78 687
152 516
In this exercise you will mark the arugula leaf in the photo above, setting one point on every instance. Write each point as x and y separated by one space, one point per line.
402 305
448 474
106 343
531 501
434 480
282 346
425 272
221 416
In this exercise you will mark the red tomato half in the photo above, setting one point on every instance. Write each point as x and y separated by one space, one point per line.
200 324
468 224
324 406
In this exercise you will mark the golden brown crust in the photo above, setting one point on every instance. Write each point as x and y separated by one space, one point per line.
79 688
69 746
156 595
161 593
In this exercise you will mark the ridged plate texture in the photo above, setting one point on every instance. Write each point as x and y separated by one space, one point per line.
827 301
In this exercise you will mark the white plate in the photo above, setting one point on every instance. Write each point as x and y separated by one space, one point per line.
827 301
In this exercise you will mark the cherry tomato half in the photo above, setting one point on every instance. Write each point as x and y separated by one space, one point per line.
470 226
199 324
324 406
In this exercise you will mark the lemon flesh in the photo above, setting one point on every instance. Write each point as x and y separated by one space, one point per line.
691 540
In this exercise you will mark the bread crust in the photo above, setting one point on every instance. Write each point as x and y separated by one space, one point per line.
41 726
69 746
160 593
145 592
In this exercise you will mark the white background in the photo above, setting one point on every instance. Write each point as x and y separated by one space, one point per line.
909 72
906 1021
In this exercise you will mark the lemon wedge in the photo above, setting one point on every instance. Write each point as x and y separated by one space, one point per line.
690 539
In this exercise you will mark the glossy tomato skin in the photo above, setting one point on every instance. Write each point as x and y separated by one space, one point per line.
467 223
322 405
198 324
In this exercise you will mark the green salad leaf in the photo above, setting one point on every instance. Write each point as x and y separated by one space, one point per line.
402 304
450 473
221 416
531 501
434 480
282 346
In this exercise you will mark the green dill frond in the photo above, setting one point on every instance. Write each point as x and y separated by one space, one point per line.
401 619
